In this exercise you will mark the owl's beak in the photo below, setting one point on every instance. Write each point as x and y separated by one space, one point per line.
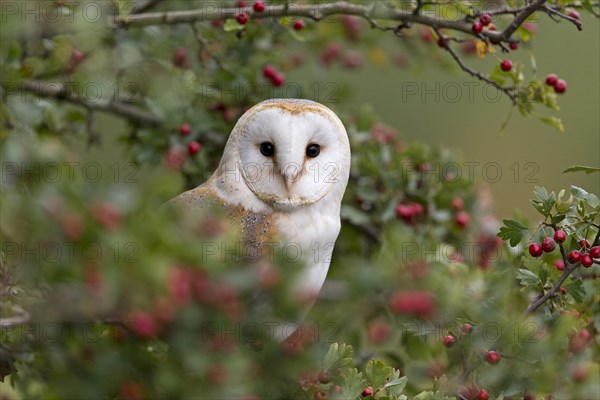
290 179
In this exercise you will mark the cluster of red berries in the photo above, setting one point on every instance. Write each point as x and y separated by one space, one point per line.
461 217
548 245
484 20
193 146
276 77
559 85
180 59
409 212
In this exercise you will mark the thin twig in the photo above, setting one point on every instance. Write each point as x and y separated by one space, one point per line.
552 11
473 72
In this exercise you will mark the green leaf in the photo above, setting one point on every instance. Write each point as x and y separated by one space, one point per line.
338 356
352 383
528 278
576 290
581 168
377 373
555 122
543 201
232 25
512 231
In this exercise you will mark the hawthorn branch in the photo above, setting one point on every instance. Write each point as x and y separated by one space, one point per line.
61 92
551 11
473 72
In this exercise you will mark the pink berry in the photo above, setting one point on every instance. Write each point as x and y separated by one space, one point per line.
477 27
574 256
185 129
493 357
242 18
595 252
586 260
551 79
194 147
559 236
278 79
485 19
457 203
467 328
563 291
548 245
462 219
367 392
298 25
535 250
77 56
559 264
259 6
483 395
560 86
269 71
573 14
506 65
584 243
449 341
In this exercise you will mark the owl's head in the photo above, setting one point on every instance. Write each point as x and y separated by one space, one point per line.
286 153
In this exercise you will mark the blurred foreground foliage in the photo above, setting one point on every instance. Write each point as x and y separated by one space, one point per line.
107 295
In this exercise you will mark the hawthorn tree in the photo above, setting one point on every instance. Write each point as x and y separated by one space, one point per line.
104 297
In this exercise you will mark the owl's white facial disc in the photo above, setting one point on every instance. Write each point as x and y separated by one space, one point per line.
290 158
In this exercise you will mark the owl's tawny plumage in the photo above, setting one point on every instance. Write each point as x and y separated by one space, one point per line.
282 177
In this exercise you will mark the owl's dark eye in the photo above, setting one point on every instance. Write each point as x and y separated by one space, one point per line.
313 150
267 149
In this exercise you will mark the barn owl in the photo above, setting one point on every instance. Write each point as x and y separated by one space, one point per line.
282 177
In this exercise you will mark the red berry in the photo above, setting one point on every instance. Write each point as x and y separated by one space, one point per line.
584 243
563 291
595 252
584 334
441 43
298 25
483 395
269 71
416 302
367 392
324 377
379 331
580 373
457 203
513 45
573 14
491 27
461 219
485 19
559 236
259 6
242 18
477 27
406 212
467 328
130 391
77 56
194 147
560 86
548 245
493 357
241 4
559 264
587 260
143 324
535 250
277 79
449 341
574 256
185 129
506 65
179 57
320 395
